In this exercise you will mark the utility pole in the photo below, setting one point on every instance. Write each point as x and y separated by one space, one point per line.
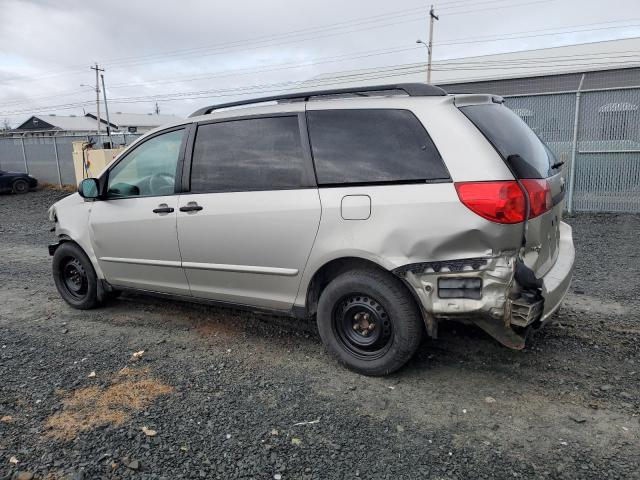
432 17
106 110
98 70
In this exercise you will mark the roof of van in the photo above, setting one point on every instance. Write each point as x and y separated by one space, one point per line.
410 89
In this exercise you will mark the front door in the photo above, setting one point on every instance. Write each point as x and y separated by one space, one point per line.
133 230
248 224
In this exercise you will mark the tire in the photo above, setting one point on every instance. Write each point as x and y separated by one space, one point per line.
20 186
351 304
75 277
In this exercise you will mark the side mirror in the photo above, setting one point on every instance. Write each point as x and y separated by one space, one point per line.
89 188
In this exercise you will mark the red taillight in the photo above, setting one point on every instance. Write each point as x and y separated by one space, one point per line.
501 202
539 193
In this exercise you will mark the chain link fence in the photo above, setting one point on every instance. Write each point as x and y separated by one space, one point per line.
599 131
50 158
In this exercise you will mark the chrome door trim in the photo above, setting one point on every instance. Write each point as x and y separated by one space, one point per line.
142 261
287 272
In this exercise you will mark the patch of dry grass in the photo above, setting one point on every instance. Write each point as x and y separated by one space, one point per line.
54 186
131 390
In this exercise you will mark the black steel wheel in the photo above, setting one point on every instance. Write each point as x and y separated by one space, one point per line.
20 186
75 277
369 320
363 326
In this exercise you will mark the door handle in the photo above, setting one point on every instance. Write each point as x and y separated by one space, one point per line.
163 208
191 207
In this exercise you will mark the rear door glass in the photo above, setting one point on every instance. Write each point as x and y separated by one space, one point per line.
372 146
519 146
250 155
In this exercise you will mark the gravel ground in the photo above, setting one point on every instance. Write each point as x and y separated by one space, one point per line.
220 393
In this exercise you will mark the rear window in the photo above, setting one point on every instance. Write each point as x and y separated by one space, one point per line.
372 146
519 146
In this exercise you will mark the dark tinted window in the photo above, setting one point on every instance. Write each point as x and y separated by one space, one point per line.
521 148
368 146
253 154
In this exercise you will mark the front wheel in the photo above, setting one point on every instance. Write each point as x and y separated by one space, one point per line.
369 321
75 277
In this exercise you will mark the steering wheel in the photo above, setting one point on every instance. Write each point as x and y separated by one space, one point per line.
160 183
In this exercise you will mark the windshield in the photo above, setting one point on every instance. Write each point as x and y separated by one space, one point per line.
525 153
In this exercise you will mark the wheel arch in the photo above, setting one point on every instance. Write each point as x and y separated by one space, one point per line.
103 287
332 269
84 245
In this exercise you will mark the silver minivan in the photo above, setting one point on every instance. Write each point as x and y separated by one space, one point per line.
380 211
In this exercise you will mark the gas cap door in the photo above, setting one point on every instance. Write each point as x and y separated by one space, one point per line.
355 207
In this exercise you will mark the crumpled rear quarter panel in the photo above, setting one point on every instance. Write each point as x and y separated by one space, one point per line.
408 224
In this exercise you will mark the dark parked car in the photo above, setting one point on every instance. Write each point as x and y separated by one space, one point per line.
16 182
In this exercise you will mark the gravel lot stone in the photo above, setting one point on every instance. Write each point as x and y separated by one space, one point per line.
232 394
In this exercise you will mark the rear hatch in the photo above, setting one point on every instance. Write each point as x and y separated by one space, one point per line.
537 171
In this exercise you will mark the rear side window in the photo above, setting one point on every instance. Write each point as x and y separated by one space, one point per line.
249 155
372 146
519 146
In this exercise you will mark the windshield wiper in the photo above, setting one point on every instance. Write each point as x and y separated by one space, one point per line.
556 165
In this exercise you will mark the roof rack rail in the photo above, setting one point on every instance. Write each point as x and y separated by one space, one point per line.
411 89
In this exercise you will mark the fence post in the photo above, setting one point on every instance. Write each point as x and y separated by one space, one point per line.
55 149
574 147
24 155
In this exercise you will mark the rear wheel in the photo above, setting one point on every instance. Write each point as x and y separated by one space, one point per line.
369 321
75 277
20 186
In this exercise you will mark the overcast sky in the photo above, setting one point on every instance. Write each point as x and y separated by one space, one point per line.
213 51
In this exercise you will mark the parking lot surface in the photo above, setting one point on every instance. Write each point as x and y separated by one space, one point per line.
147 388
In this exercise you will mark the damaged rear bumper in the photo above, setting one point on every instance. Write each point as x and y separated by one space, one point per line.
496 293
556 282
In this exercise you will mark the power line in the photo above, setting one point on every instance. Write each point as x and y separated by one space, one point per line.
64 93
247 41
538 35
214 52
347 23
235 72
291 65
281 66
556 29
453 42
486 64
344 77
191 52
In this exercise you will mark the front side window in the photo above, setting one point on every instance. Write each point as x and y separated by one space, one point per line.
249 155
149 170
372 146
